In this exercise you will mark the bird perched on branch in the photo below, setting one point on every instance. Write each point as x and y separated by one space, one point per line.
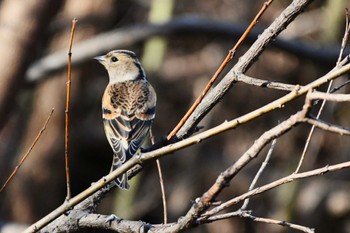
128 107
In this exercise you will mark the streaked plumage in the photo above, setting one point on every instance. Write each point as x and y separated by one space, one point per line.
128 107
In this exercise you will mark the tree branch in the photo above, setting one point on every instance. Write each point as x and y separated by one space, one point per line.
217 93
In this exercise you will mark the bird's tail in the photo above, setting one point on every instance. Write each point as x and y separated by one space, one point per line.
122 180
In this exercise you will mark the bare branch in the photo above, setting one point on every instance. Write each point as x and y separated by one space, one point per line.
264 83
66 158
28 152
306 146
328 127
161 182
216 94
228 58
278 222
284 180
258 174
345 37
329 97
247 214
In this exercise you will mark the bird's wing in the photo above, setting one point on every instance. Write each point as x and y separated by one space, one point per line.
127 120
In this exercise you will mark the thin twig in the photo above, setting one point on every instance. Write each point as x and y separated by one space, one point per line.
264 83
329 97
345 37
228 58
307 143
74 21
328 127
247 214
161 182
345 60
274 184
343 46
278 222
316 95
28 152
258 174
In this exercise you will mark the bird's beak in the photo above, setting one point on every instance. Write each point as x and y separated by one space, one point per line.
101 59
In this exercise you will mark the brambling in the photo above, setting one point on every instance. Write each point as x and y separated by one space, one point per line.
128 107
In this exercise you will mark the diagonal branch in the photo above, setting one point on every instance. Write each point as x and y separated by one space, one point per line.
216 94
328 127
247 214
279 182
338 64
228 58
260 171
28 152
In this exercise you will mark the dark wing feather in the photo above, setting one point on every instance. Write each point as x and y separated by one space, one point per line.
140 129
128 112
126 134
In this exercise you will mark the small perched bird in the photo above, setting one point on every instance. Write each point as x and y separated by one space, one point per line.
128 107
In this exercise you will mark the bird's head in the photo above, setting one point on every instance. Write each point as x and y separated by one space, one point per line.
122 65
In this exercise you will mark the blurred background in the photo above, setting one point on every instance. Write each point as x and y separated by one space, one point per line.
179 58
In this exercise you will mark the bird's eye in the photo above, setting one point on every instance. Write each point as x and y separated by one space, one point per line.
114 59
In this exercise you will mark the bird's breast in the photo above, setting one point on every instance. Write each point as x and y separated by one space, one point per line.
129 97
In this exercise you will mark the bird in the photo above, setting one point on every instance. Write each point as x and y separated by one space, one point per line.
128 107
